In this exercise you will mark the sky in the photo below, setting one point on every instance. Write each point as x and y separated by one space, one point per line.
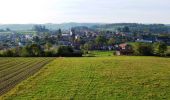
84 11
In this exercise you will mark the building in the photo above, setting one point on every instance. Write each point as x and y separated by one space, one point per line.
124 49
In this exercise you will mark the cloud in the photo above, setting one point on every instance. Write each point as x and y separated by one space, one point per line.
57 11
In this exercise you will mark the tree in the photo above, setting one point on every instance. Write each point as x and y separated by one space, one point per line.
67 51
8 53
25 52
111 41
50 53
100 40
161 48
48 46
86 47
16 51
119 29
145 49
40 28
59 31
59 34
64 51
33 50
8 29
36 39
126 29
36 50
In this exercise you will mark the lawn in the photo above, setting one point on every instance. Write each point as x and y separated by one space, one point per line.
101 78
96 53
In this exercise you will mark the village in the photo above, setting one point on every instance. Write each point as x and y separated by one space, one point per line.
77 37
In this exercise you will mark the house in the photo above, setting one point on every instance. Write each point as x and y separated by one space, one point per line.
65 43
144 41
124 49
163 39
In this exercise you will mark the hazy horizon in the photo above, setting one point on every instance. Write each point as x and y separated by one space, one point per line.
80 23
84 11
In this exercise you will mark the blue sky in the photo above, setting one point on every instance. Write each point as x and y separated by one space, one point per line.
102 11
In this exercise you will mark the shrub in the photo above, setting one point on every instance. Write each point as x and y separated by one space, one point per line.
50 53
35 50
25 52
160 49
67 51
7 53
144 49
77 53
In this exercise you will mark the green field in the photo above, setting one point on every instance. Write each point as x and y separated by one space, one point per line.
101 78
99 54
14 70
20 32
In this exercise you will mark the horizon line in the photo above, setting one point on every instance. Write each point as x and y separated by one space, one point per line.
83 23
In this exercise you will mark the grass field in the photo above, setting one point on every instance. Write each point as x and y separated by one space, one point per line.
20 32
99 54
101 78
14 70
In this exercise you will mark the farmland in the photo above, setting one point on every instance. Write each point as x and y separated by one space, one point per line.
14 70
97 53
105 78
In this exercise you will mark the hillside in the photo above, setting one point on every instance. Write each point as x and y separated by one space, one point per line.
64 26
105 78
133 27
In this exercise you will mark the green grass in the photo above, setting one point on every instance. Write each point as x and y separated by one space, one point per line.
5 32
101 78
99 53
26 32
20 32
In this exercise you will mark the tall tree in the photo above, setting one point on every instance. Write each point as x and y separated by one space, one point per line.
111 41
161 48
126 29
100 40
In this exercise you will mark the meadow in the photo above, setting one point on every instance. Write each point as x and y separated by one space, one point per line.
101 78
97 53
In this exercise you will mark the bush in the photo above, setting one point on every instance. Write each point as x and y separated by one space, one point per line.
7 53
168 54
67 51
77 53
50 53
160 49
144 49
35 50
25 52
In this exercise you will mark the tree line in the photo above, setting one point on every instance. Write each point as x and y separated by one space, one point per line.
150 49
35 50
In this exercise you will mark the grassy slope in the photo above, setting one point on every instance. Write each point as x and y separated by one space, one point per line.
98 78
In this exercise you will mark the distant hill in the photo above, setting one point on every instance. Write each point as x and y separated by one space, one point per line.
134 27
64 26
